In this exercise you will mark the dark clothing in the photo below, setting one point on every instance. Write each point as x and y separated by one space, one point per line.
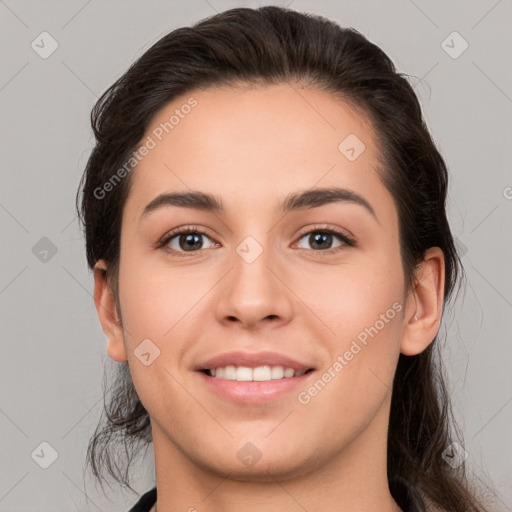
406 495
146 502
402 491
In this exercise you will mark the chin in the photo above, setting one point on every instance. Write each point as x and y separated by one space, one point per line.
264 464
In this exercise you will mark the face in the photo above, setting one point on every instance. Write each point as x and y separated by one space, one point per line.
264 282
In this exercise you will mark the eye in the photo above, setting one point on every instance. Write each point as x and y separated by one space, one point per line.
190 240
183 240
321 240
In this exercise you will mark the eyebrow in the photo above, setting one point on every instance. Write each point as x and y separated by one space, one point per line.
303 200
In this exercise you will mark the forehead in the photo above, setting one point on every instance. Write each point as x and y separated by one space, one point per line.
253 144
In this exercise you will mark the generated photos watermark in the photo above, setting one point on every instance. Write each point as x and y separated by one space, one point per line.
151 142
305 397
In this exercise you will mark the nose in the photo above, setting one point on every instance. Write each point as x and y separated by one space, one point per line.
254 293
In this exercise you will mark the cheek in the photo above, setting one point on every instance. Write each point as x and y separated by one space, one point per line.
157 305
364 315
154 299
361 312
350 298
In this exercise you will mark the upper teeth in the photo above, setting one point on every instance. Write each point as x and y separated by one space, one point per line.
260 373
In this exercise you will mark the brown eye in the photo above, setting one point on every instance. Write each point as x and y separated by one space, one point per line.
323 240
185 240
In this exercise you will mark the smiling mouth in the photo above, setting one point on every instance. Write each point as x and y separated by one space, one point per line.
256 374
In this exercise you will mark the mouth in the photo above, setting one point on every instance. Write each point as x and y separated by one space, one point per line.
253 378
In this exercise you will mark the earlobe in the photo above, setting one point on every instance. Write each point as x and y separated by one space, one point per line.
106 308
424 306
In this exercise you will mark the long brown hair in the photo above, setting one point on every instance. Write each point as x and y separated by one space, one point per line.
274 45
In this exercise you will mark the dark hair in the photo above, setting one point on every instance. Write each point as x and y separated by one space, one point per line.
266 46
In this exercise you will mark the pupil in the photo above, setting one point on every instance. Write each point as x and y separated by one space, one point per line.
318 238
192 241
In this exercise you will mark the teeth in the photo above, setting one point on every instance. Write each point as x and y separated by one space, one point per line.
259 374
230 372
243 374
262 373
277 372
289 372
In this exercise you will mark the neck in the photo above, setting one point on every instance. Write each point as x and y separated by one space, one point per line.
353 479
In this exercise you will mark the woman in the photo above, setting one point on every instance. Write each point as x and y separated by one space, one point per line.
264 213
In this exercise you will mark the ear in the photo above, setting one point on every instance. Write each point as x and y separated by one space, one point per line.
424 305
105 303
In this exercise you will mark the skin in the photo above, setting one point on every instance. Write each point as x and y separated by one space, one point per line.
252 147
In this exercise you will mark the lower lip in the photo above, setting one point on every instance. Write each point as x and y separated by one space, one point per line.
253 392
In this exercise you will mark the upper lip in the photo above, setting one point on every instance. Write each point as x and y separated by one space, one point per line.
252 360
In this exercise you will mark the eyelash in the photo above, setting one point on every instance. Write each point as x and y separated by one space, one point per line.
344 237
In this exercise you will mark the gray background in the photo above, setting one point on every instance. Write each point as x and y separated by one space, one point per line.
52 345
